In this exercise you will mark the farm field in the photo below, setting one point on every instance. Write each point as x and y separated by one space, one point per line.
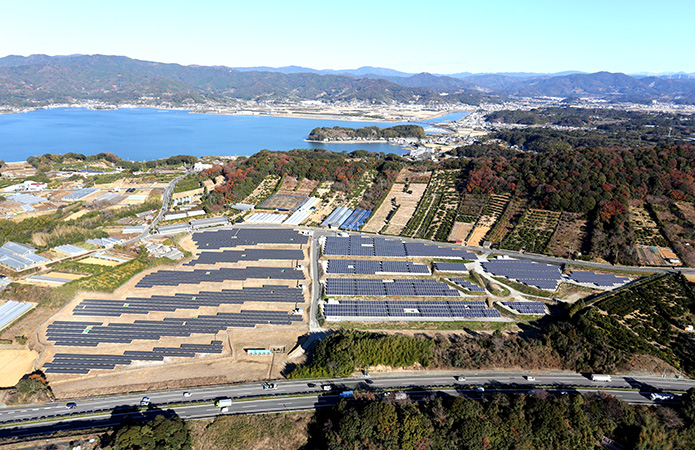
675 220
570 236
493 209
646 230
263 190
355 196
507 221
533 232
396 209
437 209
293 186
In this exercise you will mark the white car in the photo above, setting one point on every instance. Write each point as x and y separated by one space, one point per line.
460 378
530 378
145 401
186 394
327 387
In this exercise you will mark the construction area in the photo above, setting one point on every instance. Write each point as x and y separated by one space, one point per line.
231 312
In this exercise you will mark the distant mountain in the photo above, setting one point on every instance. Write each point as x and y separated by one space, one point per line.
365 71
40 79
44 79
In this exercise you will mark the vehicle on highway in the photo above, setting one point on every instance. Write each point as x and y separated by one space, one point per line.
224 409
145 401
223 402
480 389
601 377
267 386
660 396
186 394
347 394
326 387
564 392
71 405
530 378
459 378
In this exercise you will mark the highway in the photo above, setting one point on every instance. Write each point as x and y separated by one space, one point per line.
251 398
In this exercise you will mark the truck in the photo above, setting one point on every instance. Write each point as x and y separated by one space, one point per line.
660 396
600 377
347 394
223 403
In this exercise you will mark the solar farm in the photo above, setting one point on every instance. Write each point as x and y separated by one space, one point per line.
192 312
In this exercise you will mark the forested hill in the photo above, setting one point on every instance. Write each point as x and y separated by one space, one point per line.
40 79
366 133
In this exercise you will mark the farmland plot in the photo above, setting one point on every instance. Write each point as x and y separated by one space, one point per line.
533 232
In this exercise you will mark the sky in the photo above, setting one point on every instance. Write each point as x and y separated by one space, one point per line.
437 36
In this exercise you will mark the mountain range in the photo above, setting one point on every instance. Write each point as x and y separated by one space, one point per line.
41 79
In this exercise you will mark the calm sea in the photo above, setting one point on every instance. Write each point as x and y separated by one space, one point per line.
145 134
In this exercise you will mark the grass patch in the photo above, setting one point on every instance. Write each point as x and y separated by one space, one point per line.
266 431
523 288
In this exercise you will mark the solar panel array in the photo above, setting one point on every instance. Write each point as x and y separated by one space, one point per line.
362 286
602 280
169 303
467 284
366 267
395 310
542 276
253 254
237 237
176 277
91 334
450 267
380 247
77 363
527 307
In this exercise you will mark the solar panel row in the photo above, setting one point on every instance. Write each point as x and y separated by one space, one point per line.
364 267
253 254
542 276
138 305
176 277
91 334
450 267
408 309
380 247
360 286
602 280
237 237
527 307
77 363
467 284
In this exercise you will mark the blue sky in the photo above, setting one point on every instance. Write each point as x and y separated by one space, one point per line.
436 36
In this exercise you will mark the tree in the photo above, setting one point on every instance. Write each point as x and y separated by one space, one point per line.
160 433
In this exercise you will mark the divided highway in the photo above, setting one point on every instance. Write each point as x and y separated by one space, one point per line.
251 398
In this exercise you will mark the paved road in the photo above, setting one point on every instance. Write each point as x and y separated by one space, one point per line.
166 198
638 387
